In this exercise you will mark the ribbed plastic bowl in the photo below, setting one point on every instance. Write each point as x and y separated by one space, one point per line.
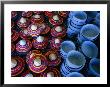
66 46
76 60
89 32
79 17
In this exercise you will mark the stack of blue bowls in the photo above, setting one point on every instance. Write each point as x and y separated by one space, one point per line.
74 62
75 22
80 57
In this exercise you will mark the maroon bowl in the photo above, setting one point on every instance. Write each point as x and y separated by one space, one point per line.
17 65
23 22
53 58
31 54
40 42
37 63
50 72
58 31
23 46
34 30
56 20
55 43
24 34
37 19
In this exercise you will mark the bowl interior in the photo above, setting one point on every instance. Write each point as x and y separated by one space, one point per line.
67 47
90 31
76 59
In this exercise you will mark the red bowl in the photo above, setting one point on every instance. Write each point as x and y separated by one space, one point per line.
53 58
16 70
37 19
31 54
54 21
23 46
24 34
40 44
50 72
34 30
55 43
37 63
23 22
58 31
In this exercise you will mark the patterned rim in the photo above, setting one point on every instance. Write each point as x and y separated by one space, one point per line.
53 22
24 48
20 66
53 62
55 45
40 45
37 20
31 54
50 69
38 69
54 33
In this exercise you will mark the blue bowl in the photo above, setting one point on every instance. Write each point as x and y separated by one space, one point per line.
66 46
89 49
94 67
79 17
75 60
89 32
